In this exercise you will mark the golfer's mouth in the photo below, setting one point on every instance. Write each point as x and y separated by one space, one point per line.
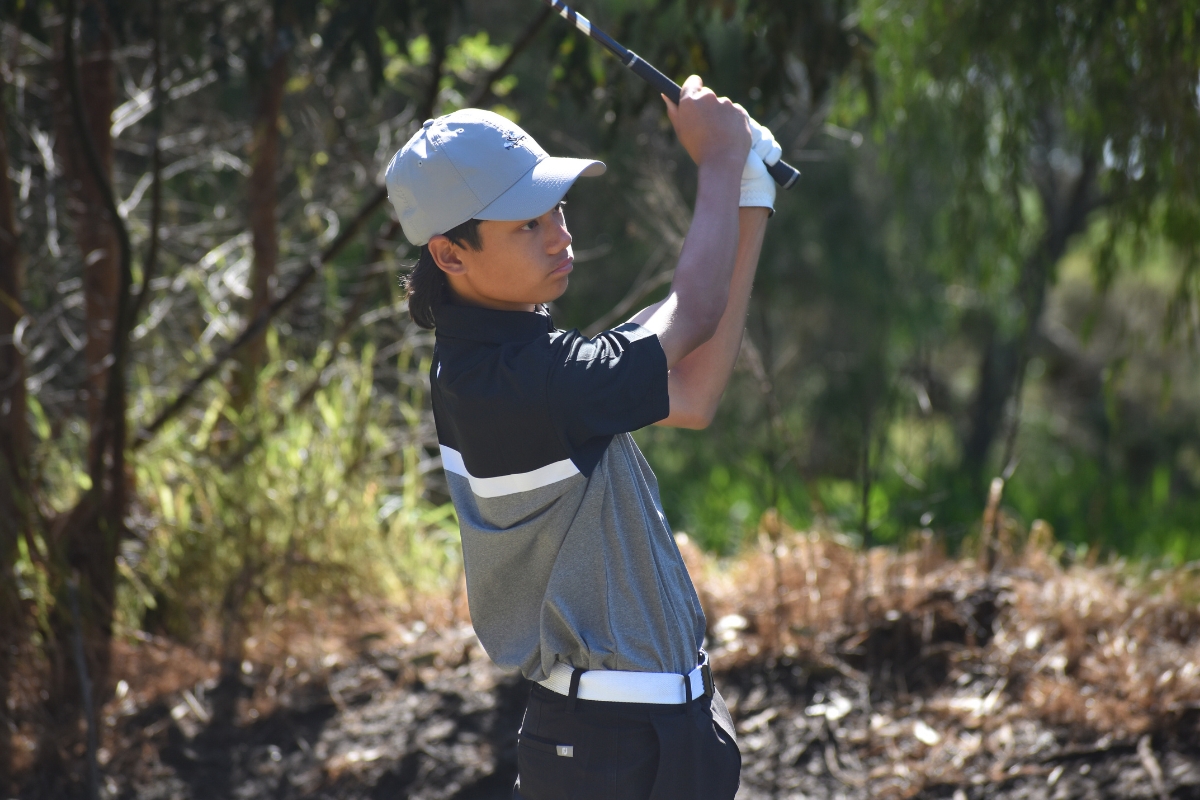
564 266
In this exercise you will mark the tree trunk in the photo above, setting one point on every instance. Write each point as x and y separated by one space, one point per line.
93 232
262 195
1066 206
84 543
998 375
14 445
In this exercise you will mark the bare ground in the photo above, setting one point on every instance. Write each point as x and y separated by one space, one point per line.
905 676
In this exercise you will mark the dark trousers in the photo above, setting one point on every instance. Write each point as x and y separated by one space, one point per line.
593 750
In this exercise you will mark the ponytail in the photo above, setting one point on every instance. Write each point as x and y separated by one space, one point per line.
427 287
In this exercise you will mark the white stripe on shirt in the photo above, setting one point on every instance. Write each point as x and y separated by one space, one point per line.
452 461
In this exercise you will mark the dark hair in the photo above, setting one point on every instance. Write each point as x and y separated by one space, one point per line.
426 285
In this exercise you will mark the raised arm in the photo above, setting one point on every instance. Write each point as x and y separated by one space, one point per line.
716 135
697 382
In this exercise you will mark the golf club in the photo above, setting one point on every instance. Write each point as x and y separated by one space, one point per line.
784 174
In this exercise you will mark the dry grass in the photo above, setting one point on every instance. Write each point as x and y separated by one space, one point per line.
953 672
899 672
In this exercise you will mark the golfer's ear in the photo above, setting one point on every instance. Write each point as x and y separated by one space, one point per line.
445 255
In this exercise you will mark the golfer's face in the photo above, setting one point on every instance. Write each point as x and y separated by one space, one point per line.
522 262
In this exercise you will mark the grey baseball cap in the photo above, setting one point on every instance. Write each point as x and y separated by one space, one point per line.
475 164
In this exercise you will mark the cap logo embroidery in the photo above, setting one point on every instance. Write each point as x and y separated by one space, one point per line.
513 139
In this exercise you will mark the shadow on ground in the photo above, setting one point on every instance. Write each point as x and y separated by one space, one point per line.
366 732
945 683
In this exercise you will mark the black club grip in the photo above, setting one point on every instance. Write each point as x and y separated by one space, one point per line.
646 71
784 173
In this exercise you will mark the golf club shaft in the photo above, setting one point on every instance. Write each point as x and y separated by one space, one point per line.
783 173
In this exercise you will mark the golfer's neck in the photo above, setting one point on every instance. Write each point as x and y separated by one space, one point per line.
467 296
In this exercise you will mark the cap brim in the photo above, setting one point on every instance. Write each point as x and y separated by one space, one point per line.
541 188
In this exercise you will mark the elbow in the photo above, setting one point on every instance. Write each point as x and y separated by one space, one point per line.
704 327
704 313
694 419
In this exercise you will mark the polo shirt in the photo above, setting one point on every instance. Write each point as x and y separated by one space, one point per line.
568 554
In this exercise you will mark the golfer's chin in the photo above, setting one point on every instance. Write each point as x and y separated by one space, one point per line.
551 288
547 290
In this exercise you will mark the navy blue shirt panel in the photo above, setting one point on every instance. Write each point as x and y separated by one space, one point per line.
512 394
615 382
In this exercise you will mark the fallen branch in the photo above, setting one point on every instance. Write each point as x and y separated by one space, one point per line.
1153 768
1072 753
833 762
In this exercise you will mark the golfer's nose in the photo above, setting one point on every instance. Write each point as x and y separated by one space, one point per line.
560 237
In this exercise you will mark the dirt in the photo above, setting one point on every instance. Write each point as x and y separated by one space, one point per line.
892 676
434 719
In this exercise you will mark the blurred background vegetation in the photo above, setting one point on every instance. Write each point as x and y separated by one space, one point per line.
213 405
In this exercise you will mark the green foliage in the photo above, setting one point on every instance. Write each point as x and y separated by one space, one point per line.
978 94
936 139
271 505
468 61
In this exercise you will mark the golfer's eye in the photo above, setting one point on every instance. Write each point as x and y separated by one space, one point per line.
533 223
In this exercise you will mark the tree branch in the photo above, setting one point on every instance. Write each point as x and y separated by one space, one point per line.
376 200
349 320
484 92
752 358
438 37
259 323
641 288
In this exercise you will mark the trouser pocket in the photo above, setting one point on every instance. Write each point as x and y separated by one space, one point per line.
591 753
545 768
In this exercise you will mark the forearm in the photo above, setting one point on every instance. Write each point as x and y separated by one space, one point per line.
691 313
698 380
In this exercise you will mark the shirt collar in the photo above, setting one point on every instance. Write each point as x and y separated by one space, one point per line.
491 325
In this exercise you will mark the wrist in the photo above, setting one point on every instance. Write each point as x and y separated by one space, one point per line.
723 162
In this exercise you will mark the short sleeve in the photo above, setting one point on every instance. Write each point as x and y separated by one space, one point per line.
613 383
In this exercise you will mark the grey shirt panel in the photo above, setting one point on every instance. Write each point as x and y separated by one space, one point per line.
509 552
568 554
584 571
620 586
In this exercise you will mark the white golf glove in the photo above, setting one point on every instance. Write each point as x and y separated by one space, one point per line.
758 187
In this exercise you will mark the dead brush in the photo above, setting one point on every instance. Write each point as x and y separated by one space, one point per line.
1091 650
886 673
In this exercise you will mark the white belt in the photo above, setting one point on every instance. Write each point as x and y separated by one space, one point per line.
615 686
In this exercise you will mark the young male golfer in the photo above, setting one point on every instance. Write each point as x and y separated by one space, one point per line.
572 573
